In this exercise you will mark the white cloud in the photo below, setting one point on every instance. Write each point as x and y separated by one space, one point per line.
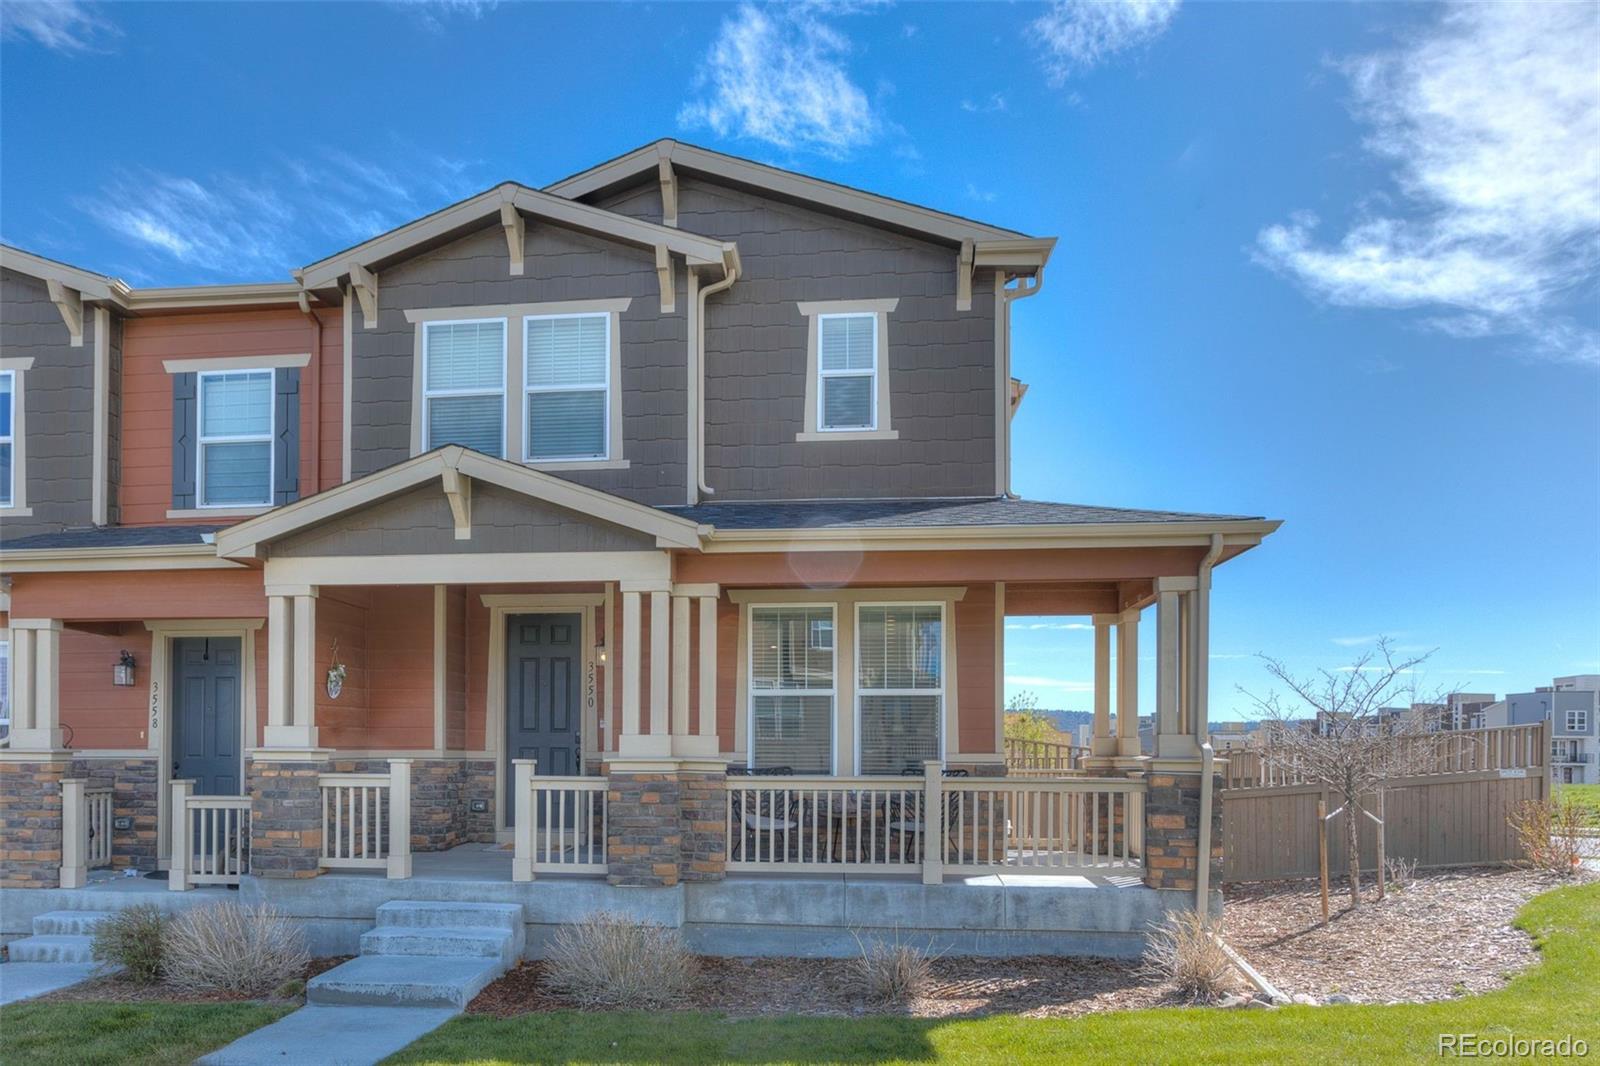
1491 121
1356 642
983 196
995 102
777 74
432 14
1049 625
1060 683
1075 36
60 25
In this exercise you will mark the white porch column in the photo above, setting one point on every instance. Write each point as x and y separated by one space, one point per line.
291 668
1128 684
1102 744
680 665
1200 659
660 662
630 664
280 654
708 667
634 742
36 684
1173 740
701 742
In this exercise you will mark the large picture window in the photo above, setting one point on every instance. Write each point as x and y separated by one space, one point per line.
568 382
235 438
7 439
792 688
847 366
464 385
900 686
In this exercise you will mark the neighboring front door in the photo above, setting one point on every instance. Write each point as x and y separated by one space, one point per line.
544 688
207 681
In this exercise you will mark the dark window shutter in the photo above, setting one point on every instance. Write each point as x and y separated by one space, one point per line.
184 440
286 441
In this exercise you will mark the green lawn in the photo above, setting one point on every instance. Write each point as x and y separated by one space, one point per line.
1560 996
124 1034
1585 796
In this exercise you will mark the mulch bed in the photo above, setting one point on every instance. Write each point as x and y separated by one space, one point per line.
117 988
1446 934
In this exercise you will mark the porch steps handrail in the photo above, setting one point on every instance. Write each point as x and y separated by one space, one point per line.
85 830
366 820
210 838
543 841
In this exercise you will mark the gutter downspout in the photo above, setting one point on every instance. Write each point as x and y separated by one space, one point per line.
1202 681
1009 296
730 274
315 398
1202 880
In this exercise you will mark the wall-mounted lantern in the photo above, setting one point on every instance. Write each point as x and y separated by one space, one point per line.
122 672
600 648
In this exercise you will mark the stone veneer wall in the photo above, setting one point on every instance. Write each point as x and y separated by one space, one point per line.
30 824
644 844
703 823
442 791
1172 831
135 793
286 817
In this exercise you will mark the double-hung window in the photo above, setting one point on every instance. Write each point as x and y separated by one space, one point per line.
8 393
900 686
568 383
235 438
464 385
792 688
847 368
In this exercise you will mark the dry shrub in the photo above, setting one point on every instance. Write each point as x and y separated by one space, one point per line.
1400 872
1549 832
229 947
132 938
608 960
891 974
1185 951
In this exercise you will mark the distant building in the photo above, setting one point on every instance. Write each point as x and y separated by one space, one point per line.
1572 707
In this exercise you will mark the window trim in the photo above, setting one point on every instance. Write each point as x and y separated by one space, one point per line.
429 393
201 440
528 390
942 691
751 692
882 424
16 369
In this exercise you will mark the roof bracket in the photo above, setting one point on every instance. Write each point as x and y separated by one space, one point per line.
365 283
964 276
511 219
669 288
458 490
669 190
70 303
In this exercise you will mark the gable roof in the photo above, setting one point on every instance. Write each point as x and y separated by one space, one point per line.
447 465
786 184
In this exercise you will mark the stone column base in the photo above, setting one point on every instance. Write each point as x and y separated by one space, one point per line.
285 815
1172 829
644 841
30 819
703 821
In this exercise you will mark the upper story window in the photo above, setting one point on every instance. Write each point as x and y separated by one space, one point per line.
567 383
464 385
7 439
235 438
848 365
1577 721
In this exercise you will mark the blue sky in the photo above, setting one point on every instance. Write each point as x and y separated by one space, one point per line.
1335 264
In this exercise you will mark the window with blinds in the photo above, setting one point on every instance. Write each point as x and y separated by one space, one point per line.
234 426
792 688
464 384
899 686
847 366
568 379
7 441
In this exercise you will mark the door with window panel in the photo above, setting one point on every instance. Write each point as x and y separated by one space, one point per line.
899 686
792 688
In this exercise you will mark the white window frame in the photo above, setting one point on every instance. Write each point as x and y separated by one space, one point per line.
751 692
5 687
528 390
11 438
823 374
944 670
1577 720
201 440
428 394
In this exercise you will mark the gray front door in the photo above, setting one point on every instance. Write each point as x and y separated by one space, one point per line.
544 690
207 679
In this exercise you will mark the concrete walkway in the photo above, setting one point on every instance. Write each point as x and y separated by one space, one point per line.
331 1036
25 980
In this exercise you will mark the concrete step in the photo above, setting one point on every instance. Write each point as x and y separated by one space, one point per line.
52 949
404 981
68 923
441 940
426 913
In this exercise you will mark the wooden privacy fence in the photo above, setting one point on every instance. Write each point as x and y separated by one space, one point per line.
1447 819
1517 747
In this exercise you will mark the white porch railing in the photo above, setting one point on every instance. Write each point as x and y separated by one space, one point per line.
560 823
934 824
85 831
366 821
210 838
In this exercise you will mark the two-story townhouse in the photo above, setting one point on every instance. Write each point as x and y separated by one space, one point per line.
682 467
1572 707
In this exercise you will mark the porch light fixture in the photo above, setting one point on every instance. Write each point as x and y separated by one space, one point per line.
122 672
600 648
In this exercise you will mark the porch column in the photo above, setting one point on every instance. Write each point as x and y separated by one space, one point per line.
634 742
708 666
1102 744
630 663
291 668
36 684
1173 740
1128 684
660 662
700 743
680 665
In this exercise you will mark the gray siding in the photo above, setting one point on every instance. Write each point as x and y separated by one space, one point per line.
560 265
114 426
941 361
419 522
59 396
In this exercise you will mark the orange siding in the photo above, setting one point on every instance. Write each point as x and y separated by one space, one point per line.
975 669
727 672
343 616
400 687
145 493
140 594
456 657
97 713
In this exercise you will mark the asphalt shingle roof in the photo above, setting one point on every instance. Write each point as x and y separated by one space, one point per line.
917 514
115 537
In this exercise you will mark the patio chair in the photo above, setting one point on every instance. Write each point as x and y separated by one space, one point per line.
776 813
905 820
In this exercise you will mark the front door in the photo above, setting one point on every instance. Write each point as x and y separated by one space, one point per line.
207 682
544 667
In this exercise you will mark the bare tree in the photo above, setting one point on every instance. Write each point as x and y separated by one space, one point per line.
1350 744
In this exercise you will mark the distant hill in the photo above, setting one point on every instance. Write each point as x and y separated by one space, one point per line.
1069 721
